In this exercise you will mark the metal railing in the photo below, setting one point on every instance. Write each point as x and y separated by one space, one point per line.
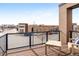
3 45
73 35
19 40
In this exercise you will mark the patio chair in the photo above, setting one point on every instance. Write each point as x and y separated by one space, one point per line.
75 46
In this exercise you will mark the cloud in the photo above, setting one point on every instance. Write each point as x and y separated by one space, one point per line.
39 17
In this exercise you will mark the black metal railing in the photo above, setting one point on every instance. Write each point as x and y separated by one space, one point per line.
3 45
54 35
73 35
18 40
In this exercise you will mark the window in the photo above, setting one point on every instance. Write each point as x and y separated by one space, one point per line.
21 30
21 26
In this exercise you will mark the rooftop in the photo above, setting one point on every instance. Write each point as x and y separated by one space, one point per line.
23 24
61 4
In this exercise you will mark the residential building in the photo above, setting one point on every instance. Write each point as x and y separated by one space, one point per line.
22 27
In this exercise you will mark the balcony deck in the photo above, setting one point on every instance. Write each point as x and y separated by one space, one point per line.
38 50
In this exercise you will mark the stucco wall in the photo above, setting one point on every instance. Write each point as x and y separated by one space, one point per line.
65 20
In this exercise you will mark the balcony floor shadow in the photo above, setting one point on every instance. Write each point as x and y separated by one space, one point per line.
38 50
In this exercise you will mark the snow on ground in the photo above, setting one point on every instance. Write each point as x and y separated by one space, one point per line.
8 31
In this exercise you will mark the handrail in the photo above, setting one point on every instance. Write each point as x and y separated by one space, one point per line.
71 32
74 31
34 32
46 33
2 35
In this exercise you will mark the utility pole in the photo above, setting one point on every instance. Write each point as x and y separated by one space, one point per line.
33 28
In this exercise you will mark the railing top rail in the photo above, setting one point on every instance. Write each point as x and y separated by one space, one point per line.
33 32
2 35
30 32
74 31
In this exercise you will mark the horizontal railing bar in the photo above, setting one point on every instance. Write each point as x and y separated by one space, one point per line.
18 47
33 32
2 35
29 32
74 31
40 33
38 44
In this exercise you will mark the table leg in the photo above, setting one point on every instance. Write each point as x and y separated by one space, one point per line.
72 50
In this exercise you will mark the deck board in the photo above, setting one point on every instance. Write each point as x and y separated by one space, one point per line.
34 51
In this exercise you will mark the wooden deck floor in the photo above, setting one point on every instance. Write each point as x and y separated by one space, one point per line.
34 51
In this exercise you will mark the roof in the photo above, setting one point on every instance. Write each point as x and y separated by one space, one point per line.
61 4
23 24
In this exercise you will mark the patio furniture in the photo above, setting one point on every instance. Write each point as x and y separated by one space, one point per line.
75 47
58 44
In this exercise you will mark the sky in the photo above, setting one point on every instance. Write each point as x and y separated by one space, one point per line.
75 16
32 13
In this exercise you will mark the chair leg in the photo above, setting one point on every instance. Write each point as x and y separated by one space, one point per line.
45 49
72 50
59 50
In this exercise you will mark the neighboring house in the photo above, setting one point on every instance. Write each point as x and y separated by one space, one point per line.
41 28
22 27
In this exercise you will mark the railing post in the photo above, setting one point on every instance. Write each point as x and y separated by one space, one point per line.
70 34
30 40
59 35
46 36
6 43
